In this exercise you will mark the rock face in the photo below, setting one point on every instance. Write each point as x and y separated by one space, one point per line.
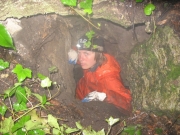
154 72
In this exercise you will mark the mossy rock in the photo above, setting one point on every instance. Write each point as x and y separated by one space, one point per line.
154 73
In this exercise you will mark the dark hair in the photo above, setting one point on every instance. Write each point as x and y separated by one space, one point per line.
100 58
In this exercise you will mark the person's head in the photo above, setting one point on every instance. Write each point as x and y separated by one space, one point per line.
89 56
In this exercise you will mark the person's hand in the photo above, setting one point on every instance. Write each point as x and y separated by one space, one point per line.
94 96
72 54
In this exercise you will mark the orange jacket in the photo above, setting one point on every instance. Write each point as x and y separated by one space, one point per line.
106 78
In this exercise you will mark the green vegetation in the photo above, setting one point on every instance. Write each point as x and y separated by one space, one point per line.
5 38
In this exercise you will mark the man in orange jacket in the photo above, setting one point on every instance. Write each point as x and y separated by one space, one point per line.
101 80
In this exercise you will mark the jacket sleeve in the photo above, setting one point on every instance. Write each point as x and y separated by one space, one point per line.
81 89
116 93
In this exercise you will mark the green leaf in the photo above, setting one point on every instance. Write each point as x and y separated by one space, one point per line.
19 106
131 130
88 11
53 69
90 34
3 110
3 64
71 130
101 132
111 121
36 132
33 125
35 117
139 1
89 131
21 94
149 8
42 99
87 6
159 131
22 73
52 121
5 38
69 2
9 92
41 77
28 91
20 123
78 125
46 82
57 132
6 125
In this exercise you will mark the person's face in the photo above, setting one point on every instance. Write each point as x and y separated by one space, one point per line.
86 59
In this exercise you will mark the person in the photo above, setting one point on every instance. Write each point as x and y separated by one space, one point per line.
101 79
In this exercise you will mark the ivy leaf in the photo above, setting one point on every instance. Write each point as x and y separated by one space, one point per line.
149 8
3 110
9 92
35 117
71 130
41 77
101 132
78 125
20 123
22 73
111 121
3 64
89 11
69 2
87 6
6 125
46 82
32 125
52 121
21 94
5 38
19 106
90 34
53 69
131 130
57 132
36 132
139 1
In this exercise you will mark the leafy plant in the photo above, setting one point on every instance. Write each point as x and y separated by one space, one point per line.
89 43
149 9
3 64
86 5
21 72
139 1
5 38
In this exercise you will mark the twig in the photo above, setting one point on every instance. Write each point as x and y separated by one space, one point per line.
4 82
85 18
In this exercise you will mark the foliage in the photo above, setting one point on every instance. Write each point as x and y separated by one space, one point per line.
84 4
139 1
149 9
21 73
5 38
3 64
89 43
